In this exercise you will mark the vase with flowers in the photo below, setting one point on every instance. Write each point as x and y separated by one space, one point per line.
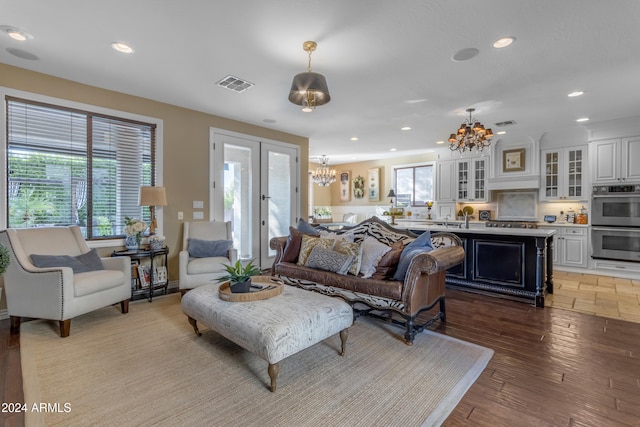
133 232
429 206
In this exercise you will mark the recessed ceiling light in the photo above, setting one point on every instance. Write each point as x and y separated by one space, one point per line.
502 132
122 47
354 138
16 33
503 42
576 93
405 128
393 149
465 54
439 142
583 119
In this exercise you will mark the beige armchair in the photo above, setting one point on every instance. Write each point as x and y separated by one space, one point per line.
201 270
84 283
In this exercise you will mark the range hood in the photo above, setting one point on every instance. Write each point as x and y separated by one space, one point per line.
523 182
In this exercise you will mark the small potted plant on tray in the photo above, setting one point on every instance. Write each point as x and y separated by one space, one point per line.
239 276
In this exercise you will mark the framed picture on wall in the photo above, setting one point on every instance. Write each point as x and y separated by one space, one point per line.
345 179
374 184
513 160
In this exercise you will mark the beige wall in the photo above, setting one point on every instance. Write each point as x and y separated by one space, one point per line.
321 198
186 142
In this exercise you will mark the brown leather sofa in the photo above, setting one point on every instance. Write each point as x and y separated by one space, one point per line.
422 288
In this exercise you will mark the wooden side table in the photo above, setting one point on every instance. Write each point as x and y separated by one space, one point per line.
137 287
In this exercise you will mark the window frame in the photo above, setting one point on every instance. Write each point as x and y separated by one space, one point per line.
94 109
413 166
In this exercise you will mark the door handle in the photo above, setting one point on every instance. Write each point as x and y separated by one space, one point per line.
265 197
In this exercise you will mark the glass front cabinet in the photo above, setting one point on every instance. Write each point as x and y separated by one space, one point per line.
472 179
564 173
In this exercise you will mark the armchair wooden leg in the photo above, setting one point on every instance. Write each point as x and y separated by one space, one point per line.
15 324
65 328
124 306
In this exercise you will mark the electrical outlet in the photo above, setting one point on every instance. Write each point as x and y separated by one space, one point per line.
180 215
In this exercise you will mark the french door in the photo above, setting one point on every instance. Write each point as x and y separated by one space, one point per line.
254 185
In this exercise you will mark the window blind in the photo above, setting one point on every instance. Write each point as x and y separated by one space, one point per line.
72 167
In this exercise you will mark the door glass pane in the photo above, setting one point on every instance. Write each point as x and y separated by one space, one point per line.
279 195
237 197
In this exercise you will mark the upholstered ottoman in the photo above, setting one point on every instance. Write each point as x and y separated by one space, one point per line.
273 328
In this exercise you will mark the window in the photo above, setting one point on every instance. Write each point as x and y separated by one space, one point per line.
413 185
72 167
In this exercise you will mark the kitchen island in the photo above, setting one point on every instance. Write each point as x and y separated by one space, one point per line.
511 263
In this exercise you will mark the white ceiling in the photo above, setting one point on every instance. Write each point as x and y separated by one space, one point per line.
388 63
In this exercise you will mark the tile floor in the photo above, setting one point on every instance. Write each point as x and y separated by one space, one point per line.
600 295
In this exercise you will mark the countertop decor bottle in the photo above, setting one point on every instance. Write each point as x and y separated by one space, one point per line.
582 217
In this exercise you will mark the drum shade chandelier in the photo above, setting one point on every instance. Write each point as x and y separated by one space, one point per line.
471 134
309 89
323 176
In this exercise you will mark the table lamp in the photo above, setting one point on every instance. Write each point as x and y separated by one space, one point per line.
152 197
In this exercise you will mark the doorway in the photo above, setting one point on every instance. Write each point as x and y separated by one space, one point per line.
255 186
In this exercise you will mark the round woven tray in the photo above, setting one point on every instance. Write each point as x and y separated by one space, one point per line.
273 286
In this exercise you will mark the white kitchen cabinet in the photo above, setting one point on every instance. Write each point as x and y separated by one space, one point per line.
445 184
564 173
471 179
615 160
570 247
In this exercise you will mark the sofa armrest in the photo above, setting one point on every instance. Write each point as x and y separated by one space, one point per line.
424 282
278 244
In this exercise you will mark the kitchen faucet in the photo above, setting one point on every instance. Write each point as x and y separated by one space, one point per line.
446 220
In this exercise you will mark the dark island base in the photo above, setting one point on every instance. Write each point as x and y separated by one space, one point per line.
509 266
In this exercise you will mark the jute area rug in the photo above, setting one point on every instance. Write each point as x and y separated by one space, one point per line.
149 368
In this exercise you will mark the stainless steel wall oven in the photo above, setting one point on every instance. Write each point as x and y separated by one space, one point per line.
615 220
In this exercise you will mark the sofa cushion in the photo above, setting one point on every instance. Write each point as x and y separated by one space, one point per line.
326 259
379 232
89 261
292 247
208 248
382 288
372 252
307 245
350 248
306 228
388 264
421 244
91 282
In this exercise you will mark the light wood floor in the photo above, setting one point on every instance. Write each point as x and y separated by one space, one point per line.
600 295
559 366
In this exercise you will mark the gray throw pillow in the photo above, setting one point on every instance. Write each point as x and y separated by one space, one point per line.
89 261
326 259
208 248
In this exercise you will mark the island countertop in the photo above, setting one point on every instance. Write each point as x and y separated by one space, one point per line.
535 232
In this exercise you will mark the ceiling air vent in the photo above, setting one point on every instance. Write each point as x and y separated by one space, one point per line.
506 123
234 83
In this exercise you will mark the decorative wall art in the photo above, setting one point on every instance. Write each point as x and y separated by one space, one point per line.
345 178
374 184
358 187
513 160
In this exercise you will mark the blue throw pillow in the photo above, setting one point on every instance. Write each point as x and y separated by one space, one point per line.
421 244
306 228
89 261
208 248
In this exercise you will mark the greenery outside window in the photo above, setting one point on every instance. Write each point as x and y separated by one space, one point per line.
72 167
413 184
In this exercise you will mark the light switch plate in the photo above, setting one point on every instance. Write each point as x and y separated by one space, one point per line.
180 215
198 215
198 204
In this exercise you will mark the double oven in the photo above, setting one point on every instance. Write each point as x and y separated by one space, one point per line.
615 221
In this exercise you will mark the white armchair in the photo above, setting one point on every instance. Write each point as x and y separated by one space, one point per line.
56 292
197 271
